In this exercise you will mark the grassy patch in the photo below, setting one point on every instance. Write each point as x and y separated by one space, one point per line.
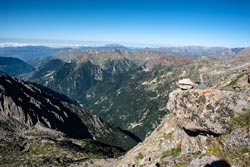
53 152
40 149
234 82
214 148
139 157
168 136
241 120
239 156
181 164
174 152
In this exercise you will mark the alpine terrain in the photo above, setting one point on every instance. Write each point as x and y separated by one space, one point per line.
183 111
40 127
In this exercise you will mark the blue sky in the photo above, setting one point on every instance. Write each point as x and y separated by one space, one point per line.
152 22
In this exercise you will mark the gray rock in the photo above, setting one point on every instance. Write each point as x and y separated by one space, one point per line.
205 111
185 84
202 162
239 137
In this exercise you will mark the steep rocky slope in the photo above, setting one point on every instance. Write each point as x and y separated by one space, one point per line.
34 119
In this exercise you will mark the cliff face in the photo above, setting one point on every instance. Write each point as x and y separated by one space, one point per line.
204 127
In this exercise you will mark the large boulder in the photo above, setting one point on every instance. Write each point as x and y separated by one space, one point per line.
205 111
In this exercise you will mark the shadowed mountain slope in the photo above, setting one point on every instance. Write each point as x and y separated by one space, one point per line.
14 66
34 106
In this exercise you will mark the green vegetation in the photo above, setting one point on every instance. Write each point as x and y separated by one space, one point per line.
181 164
234 82
238 156
214 148
174 152
241 120
115 87
139 157
168 136
46 152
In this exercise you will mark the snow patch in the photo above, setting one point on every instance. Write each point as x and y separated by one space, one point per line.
134 124
49 74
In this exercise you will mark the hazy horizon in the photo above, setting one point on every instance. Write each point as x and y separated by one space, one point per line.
10 42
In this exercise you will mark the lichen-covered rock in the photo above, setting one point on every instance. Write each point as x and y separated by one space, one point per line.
238 138
205 111
205 161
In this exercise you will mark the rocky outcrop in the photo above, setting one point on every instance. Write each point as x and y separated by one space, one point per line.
204 128
205 111
239 137
185 84
208 161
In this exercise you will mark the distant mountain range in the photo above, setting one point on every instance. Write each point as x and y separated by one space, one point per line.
198 51
28 53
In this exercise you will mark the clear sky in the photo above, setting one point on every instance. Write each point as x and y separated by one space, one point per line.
157 22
